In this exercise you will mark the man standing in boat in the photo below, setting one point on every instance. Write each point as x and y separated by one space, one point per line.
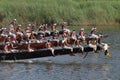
93 31
12 25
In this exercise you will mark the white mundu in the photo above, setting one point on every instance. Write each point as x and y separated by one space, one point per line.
94 36
93 46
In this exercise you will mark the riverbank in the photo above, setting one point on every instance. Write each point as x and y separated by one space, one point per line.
49 11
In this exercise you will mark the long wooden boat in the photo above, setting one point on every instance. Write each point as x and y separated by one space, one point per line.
41 53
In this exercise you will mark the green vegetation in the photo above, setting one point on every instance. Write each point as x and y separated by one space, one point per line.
49 11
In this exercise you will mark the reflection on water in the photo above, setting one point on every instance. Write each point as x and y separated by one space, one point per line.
93 67
56 71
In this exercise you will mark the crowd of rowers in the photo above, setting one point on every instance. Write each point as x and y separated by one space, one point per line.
12 37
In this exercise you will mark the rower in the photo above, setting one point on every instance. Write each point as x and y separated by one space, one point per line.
28 30
93 44
3 32
12 36
9 46
41 30
93 35
65 43
49 46
39 38
55 39
54 30
65 27
12 24
73 35
19 30
46 30
81 35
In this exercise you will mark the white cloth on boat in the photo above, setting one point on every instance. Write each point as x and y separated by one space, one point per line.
81 47
67 47
93 46
105 46
94 36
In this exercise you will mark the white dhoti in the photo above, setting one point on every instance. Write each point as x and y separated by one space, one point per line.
81 47
104 46
93 46
67 47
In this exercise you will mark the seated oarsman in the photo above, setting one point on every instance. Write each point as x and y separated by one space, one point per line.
93 35
78 45
81 35
55 37
55 40
19 30
12 35
3 34
33 27
28 30
41 30
46 30
73 37
54 30
65 43
39 38
80 42
64 27
32 38
93 44
9 46
49 46
12 25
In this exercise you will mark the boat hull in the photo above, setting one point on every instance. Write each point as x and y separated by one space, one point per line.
41 53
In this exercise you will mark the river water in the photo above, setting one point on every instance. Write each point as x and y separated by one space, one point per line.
93 67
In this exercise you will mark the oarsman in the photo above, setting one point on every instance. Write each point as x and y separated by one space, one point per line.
33 27
93 35
78 44
39 38
12 35
46 30
12 25
73 38
93 44
9 46
81 35
28 30
65 43
55 40
55 37
54 30
32 38
73 35
3 32
19 30
49 46
65 27
41 30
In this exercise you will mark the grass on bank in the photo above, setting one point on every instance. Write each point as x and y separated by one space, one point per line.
49 11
